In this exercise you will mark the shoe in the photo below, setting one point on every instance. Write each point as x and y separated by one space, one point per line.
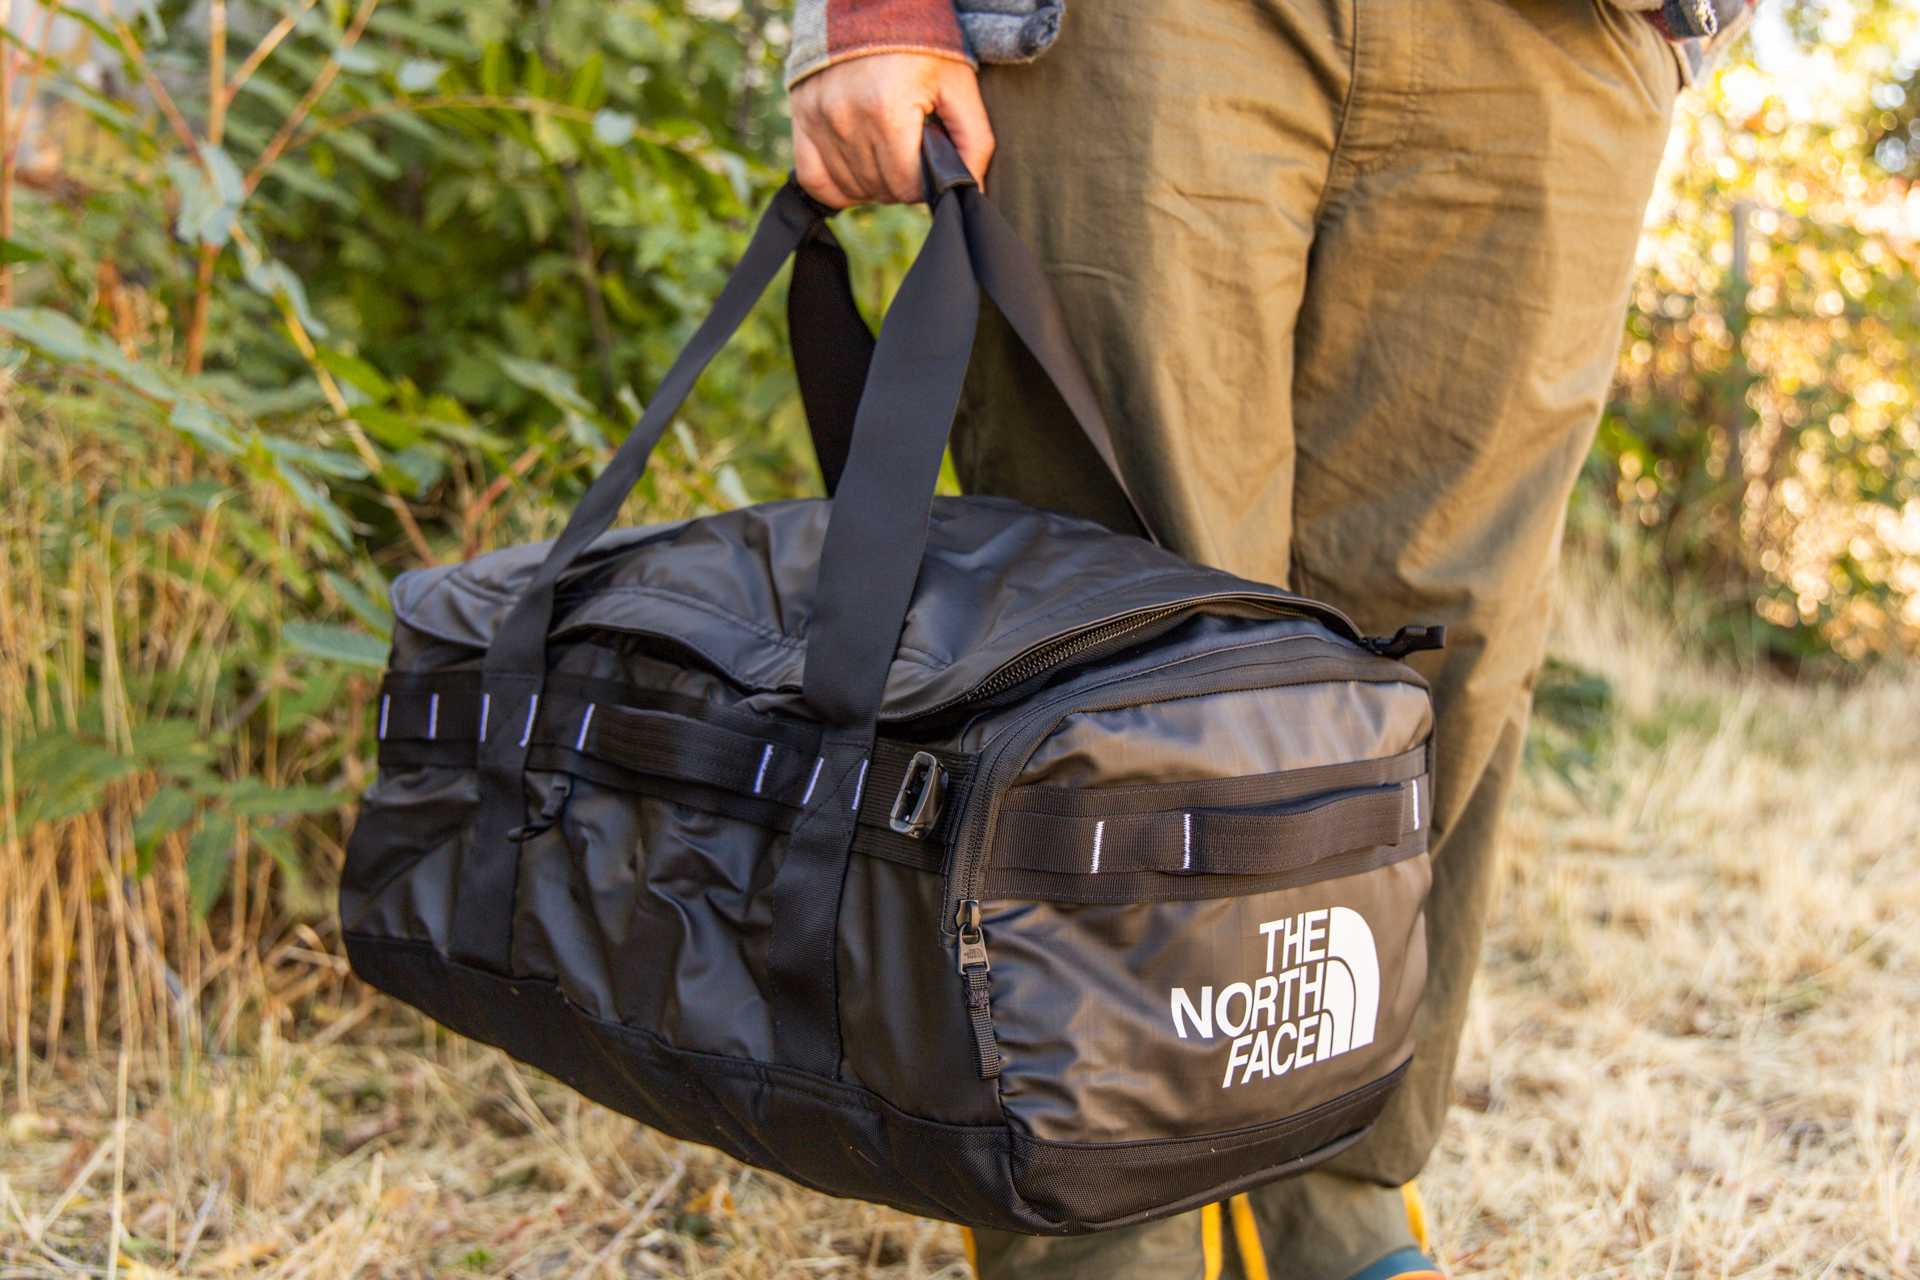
1402 1264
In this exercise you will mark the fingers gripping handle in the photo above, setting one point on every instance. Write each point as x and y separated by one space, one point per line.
832 347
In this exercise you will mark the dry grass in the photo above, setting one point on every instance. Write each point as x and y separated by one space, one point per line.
1693 1055
1694 1051
407 1154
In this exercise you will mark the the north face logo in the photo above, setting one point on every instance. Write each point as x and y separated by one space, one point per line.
1318 998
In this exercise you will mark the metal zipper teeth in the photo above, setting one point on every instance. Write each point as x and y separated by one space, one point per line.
1037 661
990 773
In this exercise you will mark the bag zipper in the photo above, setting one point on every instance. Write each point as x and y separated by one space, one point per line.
1059 653
974 968
1104 638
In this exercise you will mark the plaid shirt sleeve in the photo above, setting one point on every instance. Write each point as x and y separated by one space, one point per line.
830 31
975 31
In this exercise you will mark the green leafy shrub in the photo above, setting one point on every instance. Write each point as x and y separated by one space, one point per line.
1761 454
314 293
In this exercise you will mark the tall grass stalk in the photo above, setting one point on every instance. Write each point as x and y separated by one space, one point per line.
140 648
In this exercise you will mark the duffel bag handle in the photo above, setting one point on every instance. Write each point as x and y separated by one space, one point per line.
878 532
870 557
833 348
795 225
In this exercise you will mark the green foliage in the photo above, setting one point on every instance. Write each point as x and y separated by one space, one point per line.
388 291
1762 449
165 689
499 188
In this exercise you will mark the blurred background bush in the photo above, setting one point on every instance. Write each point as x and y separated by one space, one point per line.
301 294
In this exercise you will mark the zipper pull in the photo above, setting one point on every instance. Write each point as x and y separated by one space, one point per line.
1405 641
973 943
974 967
557 796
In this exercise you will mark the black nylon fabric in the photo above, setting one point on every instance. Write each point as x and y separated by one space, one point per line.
832 349
845 1141
641 816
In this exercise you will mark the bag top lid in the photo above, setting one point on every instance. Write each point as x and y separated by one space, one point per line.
998 581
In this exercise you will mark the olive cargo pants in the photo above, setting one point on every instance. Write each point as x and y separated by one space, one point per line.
1349 276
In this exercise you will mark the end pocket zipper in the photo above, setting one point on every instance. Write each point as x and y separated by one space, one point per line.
974 968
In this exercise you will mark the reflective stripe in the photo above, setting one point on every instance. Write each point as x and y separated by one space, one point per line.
386 701
433 716
1099 829
580 743
811 779
760 778
486 706
526 735
860 784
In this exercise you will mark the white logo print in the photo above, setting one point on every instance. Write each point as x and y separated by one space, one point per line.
1319 998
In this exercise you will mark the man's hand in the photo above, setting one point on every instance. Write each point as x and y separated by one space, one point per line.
857 125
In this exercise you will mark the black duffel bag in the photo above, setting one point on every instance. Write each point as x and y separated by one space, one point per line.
940 852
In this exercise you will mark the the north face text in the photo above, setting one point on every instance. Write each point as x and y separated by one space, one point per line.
1318 998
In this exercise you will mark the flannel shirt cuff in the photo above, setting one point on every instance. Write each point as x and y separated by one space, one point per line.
830 31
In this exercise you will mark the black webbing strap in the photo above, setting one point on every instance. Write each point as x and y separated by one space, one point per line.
869 560
1210 841
435 721
1012 277
515 666
659 741
832 348
1251 791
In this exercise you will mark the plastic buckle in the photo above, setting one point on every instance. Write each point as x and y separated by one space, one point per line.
917 806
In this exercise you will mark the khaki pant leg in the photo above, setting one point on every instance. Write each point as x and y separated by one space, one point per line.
1453 351
1349 277
1164 161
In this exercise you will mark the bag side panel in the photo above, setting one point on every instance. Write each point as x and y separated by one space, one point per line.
405 851
1084 996
1171 1019
653 914
1226 735
646 911
905 1031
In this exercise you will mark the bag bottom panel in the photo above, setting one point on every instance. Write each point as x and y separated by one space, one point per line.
845 1141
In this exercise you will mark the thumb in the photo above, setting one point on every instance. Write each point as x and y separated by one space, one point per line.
958 104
